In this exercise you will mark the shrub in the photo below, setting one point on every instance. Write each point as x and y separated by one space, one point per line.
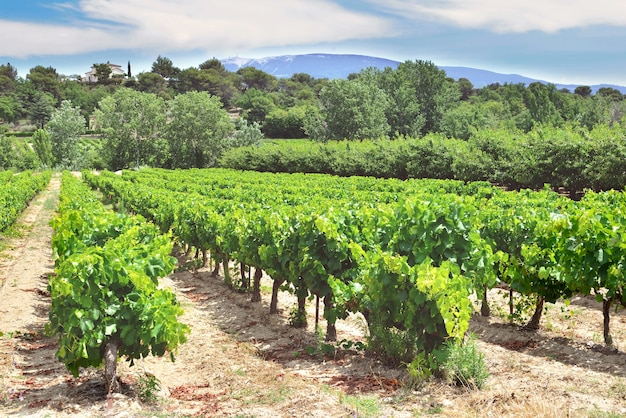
465 364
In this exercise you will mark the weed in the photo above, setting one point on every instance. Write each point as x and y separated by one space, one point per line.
191 265
618 389
50 203
148 386
362 406
297 318
320 347
598 413
434 410
465 364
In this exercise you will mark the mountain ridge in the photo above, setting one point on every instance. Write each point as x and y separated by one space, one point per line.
321 65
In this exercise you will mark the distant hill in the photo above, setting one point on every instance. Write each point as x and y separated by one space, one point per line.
341 65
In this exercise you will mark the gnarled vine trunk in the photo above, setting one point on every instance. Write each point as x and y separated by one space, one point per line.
606 306
110 365
331 330
256 285
274 301
533 324
484 306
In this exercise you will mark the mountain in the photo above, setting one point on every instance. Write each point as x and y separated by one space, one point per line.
341 65
316 65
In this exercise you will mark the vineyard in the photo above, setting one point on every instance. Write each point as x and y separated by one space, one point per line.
16 190
405 255
420 263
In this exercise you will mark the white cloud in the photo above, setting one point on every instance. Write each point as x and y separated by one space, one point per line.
515 16
185 25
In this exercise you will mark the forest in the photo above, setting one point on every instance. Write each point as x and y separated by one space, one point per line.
199 116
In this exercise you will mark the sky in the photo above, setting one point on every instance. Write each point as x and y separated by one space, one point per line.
561 41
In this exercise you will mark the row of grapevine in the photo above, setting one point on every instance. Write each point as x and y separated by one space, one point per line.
105 296
330 248
407 261
16 191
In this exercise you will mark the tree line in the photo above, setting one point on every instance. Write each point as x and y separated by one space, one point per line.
413 100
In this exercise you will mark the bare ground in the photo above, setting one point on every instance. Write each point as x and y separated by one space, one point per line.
242 361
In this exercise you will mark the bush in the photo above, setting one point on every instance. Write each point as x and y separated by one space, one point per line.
465 364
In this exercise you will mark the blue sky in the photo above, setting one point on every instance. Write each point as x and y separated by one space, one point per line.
562 41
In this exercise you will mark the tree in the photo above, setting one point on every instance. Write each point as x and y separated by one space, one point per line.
610 93
103 73
152 83
8 71
197 131
420 94
41 109
165 68
253 78
541 102
354 110
256 105
289 123
584 91
246 134
8 155
209 80
132 125
213 64
7 109
45 80
66 126
43 147
8 76
465 87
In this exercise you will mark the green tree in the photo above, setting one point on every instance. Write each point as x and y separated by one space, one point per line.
209 80
253 78
8 71
354 110
43 147
8 77
213 64
255 104
83 95
132 124
45 80
245 134
610 93
8 155
288 123
198 130
41 109
66 126
420 94
542 101
465 87
7 109
152 83
103 73
463 120
584 91
165 68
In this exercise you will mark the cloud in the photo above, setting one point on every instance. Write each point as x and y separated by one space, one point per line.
513 16
163 25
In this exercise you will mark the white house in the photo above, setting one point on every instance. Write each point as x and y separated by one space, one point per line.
116 70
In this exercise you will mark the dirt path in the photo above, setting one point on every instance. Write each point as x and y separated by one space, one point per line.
242 361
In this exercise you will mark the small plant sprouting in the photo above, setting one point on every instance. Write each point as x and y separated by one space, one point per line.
148 386
465 364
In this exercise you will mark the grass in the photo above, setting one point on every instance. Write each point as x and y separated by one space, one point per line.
362 406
